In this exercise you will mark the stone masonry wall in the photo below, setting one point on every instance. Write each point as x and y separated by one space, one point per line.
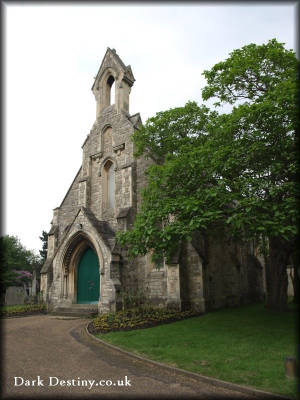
228 272
95 152
191 279
120 154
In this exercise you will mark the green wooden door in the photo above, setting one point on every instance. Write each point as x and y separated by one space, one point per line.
88 279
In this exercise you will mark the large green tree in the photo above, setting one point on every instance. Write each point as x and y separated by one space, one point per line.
237 169
262 83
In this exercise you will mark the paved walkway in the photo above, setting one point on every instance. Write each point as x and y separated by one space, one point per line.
57 350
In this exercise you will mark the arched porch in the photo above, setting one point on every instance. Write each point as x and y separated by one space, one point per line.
80 255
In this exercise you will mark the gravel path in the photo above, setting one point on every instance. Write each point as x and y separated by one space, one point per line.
66 363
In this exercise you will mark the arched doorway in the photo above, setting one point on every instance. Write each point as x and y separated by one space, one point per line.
88 278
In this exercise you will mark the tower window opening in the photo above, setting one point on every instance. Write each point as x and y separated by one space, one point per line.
111 89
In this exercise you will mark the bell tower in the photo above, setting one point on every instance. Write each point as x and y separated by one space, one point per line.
112 75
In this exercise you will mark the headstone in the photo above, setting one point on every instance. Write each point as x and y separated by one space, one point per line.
15 295
33 286
290 367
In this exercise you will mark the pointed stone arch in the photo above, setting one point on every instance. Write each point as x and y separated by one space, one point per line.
71 255
107 79
107 171
86 230
110 90
104 76
110 158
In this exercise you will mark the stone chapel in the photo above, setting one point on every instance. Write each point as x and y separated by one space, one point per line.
86 266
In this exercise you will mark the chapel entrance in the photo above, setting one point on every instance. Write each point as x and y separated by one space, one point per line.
88 278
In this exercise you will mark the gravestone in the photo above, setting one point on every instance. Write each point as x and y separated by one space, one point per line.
15 295
33 285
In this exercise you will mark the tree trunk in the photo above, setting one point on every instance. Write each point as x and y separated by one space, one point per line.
276 274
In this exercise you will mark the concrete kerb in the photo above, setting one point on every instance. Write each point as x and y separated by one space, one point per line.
202 378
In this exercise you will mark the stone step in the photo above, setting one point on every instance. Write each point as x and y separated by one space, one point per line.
72 314
70 310
80 310
82 307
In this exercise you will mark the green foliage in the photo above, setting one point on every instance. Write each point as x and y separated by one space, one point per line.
250 73
260 165
173 190
168 132
15 257
136 318
43 252
238 169
260 161
11 311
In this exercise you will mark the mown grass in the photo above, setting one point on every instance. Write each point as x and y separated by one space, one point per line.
10 311
246 345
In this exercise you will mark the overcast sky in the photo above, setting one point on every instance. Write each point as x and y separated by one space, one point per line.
53 52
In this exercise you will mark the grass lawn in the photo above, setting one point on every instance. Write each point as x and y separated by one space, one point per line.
246 345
